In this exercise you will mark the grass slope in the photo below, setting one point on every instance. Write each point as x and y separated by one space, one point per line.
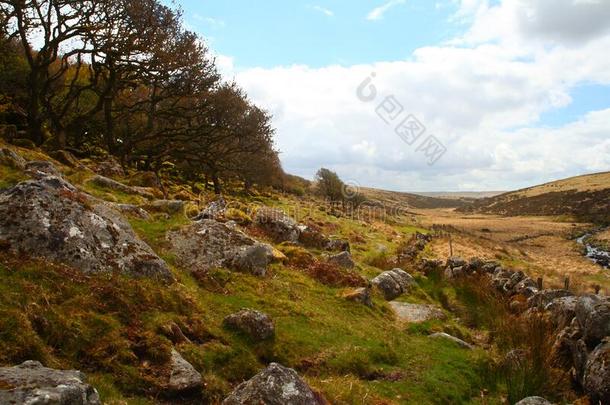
118 330
584 197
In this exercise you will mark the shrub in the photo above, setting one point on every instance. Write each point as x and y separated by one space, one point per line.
334 276
380 259
297 256
237 215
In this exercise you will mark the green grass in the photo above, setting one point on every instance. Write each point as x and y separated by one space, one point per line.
9 177
112 195
318 333
111 327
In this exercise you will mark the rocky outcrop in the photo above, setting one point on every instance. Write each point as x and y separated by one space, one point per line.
393 283
596 380
110 184
9 158
338 245
130 209
280 227
31 383
252 259
215 210
533 401
411 249
51 219
581 323
453 339
562 310
416 312
276 385
183 376
39 169
543 298
343 259
68 159
170 207
109 167
455 261
361 295
594 323
209 244
256 325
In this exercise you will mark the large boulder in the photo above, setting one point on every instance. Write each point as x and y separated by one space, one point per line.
31 383
111 184
171 207
584 307
279 225
580 356
51 219
9 158
208 244
597 323
393 283
256 325
183 376
343 259
41 168
252 259
338 245
562 310
596 380
276 385
312 236
543 298
109 167
416 312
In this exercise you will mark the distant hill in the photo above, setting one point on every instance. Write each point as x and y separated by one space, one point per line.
411 200
458 195
586 197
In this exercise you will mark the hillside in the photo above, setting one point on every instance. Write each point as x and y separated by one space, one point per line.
100 274
454 195
411 200
585 197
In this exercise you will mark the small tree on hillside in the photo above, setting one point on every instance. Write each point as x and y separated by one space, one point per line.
329 185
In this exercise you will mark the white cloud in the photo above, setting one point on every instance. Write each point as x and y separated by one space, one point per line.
482 95
327 12
536 22
377 13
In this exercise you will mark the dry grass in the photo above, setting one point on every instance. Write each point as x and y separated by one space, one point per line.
588 182
542 246
334 276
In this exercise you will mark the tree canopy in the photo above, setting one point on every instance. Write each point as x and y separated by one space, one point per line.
128 78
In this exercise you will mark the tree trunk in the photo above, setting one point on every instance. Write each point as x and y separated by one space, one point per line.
60 138
217 187
33 116
109 122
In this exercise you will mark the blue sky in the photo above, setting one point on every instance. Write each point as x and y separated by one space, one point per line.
274 32
585 97
516 91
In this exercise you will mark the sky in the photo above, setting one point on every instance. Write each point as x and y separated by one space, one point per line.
418 95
